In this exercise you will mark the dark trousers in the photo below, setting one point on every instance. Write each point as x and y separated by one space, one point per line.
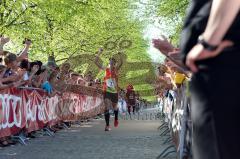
134 109
129 110
215 113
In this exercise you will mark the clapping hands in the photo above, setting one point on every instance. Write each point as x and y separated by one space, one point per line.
163 45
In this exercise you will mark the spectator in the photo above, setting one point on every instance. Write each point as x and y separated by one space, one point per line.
27 72
89 78
210 45
10 75
98 83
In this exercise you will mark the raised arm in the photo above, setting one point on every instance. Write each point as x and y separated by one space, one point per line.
163 45
39 81
24 52
223 13
33 72
97 59
120 62
3 41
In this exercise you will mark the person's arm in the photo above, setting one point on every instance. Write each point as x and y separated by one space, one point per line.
163 45
12 78
40 79
13 84
5 86
221 18
24 52
33 72
222 15
120 62
3 41
97 59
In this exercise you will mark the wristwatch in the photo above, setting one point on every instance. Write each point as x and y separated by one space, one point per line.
206 45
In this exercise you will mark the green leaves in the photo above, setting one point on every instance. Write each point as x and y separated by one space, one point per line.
174 11
73 30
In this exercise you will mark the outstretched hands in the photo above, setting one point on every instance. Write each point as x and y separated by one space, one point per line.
163 45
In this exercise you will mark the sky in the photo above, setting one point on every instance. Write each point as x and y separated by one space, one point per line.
154 29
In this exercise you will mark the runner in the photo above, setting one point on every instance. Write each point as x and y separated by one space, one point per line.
131 99
110 87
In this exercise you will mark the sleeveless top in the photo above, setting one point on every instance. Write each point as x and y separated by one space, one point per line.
110 83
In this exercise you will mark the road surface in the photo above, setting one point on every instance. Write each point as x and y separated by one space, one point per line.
133 139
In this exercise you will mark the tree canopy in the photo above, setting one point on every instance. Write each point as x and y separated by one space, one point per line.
73 30
174 12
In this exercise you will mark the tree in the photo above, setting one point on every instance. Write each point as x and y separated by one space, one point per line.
73 30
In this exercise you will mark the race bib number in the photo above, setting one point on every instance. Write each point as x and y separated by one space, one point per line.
110 83
131 96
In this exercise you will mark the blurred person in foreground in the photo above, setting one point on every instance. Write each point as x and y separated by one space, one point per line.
210 44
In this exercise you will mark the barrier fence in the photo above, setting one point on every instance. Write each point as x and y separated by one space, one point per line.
32 109
177 126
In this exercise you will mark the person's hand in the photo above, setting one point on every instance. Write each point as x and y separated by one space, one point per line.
100 50
163 45
35 69
28 42
4 40
199 53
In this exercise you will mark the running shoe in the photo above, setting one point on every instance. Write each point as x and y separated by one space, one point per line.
107 128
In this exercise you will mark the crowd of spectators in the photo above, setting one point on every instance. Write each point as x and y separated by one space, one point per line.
171 73
171 90
16 70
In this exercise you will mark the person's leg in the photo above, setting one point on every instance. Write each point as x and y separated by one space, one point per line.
215 113
107 117
115 108
122 106
107 104
204 132
129 109
226 112
134 107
